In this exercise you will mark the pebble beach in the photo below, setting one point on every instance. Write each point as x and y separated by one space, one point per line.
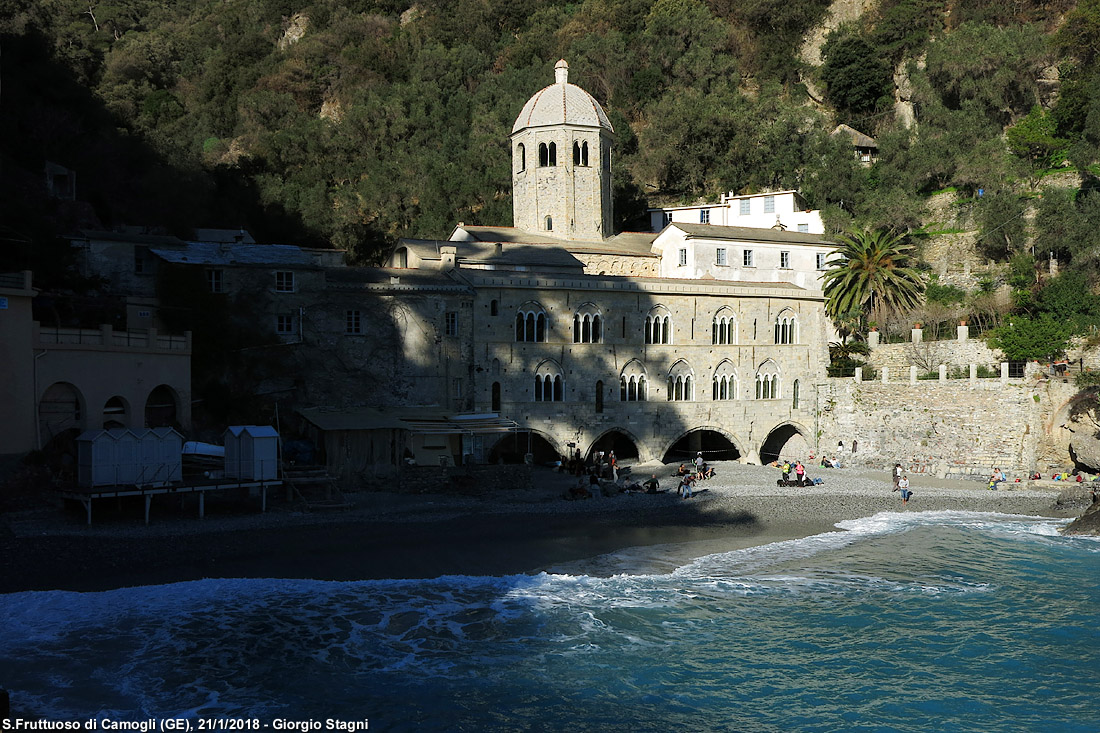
387 535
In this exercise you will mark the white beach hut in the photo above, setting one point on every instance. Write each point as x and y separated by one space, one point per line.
96 458
128 468
161 455
251 452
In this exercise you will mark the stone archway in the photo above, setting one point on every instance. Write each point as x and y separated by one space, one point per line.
714 443
162 408
787 441
60 410
618 440
514 447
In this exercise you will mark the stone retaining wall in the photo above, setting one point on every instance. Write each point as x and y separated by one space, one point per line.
956 428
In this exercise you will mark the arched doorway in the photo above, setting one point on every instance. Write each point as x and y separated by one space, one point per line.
615 440
785 442
714 445
512 449
161 408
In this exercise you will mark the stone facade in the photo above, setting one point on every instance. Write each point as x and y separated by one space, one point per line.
594 401
561 163
59 382
954 428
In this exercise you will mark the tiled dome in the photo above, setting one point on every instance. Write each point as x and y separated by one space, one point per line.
562 103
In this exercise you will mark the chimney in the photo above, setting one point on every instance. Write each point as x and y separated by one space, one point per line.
448 257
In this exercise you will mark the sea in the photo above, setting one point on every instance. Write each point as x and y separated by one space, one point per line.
904 621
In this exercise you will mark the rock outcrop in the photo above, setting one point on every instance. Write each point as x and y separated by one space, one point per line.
1086 524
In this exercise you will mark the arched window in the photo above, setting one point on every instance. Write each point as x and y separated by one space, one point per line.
584 154
587 325
549 382
521 156
496 367
767 381
724 384
681 382
494 307
576 153
658 326
115 413
633 386
544 155
553 154
786 328
549 223
724 327
495 397
794 395
531 323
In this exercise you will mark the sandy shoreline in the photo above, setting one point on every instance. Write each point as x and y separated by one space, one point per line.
498 533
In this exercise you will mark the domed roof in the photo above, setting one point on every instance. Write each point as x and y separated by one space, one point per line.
562 103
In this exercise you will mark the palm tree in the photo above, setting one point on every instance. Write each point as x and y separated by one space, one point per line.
870 274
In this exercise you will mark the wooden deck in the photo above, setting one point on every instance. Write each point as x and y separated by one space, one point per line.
86 495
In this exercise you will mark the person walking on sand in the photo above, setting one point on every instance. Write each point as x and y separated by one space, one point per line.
897 475
903 487
786 471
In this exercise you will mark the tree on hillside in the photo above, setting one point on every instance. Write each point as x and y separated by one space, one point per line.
871 273
855 76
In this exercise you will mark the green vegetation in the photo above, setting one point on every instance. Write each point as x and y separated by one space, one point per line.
349 124
871 274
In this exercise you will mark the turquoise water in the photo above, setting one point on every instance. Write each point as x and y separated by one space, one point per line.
903 621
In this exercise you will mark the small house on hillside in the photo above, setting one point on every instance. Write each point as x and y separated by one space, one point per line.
865 146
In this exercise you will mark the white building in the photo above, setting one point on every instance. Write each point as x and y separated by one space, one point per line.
783 210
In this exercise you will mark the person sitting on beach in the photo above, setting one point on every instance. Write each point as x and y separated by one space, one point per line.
652 485
708 471
682 471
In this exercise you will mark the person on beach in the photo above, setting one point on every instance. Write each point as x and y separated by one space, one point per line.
799 472
652 485
903 487
686 485
786 471
897 475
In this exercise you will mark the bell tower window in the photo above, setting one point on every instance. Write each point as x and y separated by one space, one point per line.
521 154
549 223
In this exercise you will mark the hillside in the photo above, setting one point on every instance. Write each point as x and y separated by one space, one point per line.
350 124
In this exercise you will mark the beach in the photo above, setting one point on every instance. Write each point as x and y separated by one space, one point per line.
388 535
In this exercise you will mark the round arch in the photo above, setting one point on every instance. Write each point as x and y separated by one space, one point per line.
717 444
619 440
514 447
162 407
116 413
786 440
61 408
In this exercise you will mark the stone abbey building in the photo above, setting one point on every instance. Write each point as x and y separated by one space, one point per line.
655 345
